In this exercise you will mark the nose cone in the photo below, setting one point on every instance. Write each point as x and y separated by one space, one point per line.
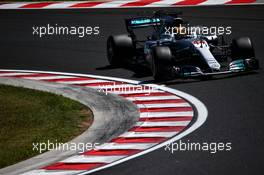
215 66
209 58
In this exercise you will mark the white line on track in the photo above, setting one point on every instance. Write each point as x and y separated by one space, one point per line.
49 77
54 172
163 123
163 105
214 2
163 3
12 5
166 114
13 74
91 159
150 98
148 134
61 5
113 146
82 82
113 4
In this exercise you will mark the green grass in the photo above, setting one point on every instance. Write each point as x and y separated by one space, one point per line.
29 116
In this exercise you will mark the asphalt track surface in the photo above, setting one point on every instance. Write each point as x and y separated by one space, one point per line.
235 103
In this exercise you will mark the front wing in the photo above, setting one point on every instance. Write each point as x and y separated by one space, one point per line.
235 67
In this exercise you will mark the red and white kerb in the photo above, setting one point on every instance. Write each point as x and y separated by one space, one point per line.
119 4
163 115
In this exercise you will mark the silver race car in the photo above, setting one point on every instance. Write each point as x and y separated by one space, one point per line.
172 55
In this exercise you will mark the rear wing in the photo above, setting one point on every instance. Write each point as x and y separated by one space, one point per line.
141 22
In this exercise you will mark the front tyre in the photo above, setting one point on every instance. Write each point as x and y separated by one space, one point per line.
119 49
162 63
242 49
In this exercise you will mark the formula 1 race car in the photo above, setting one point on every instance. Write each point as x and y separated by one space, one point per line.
177 54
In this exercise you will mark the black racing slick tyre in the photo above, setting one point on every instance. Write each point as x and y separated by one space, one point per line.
119 49
242 48
162 63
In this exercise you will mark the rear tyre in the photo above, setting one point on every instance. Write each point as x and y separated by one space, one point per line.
119 49
162 63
